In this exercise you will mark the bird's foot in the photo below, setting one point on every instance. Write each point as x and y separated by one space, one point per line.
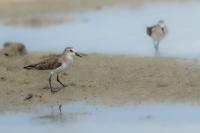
65 86
53 91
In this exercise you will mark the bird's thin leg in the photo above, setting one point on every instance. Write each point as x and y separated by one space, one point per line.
60 81
50 83
157 45
154 44
52 90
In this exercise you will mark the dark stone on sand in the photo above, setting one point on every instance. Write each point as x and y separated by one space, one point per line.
12 49
2 78
28 97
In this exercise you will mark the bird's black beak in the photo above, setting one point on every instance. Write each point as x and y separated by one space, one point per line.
78 54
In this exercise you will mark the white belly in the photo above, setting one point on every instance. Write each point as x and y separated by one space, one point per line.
64 65
60 69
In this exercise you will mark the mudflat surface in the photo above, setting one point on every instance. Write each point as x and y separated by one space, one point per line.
98 78
21 8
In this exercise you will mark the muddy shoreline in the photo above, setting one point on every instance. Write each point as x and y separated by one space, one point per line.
22 8
37 14
95 78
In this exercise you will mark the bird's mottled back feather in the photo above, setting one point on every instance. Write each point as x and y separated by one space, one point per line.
149 31
48 64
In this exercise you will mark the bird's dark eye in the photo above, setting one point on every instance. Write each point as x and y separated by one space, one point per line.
71 50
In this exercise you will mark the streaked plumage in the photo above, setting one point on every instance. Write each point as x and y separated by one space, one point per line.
48 64
157 33
56 64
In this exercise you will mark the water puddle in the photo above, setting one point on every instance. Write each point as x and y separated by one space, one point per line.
84 118
117 31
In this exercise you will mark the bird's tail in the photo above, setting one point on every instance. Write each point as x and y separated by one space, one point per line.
29 67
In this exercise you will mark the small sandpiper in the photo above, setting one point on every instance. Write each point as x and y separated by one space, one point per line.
56 64
157 33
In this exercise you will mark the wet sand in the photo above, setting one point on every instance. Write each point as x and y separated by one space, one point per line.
111 80
38 21
35 13
21 8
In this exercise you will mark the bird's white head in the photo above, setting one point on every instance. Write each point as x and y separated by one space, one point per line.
161 23
71 51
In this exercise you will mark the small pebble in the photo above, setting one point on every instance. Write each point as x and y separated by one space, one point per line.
3 78
28 97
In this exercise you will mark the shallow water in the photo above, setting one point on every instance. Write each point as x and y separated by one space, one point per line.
80 117
117 31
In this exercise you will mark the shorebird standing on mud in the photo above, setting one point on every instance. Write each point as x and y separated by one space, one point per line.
56 64
157 33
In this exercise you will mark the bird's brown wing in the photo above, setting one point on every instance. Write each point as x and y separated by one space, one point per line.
48 64
149 30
